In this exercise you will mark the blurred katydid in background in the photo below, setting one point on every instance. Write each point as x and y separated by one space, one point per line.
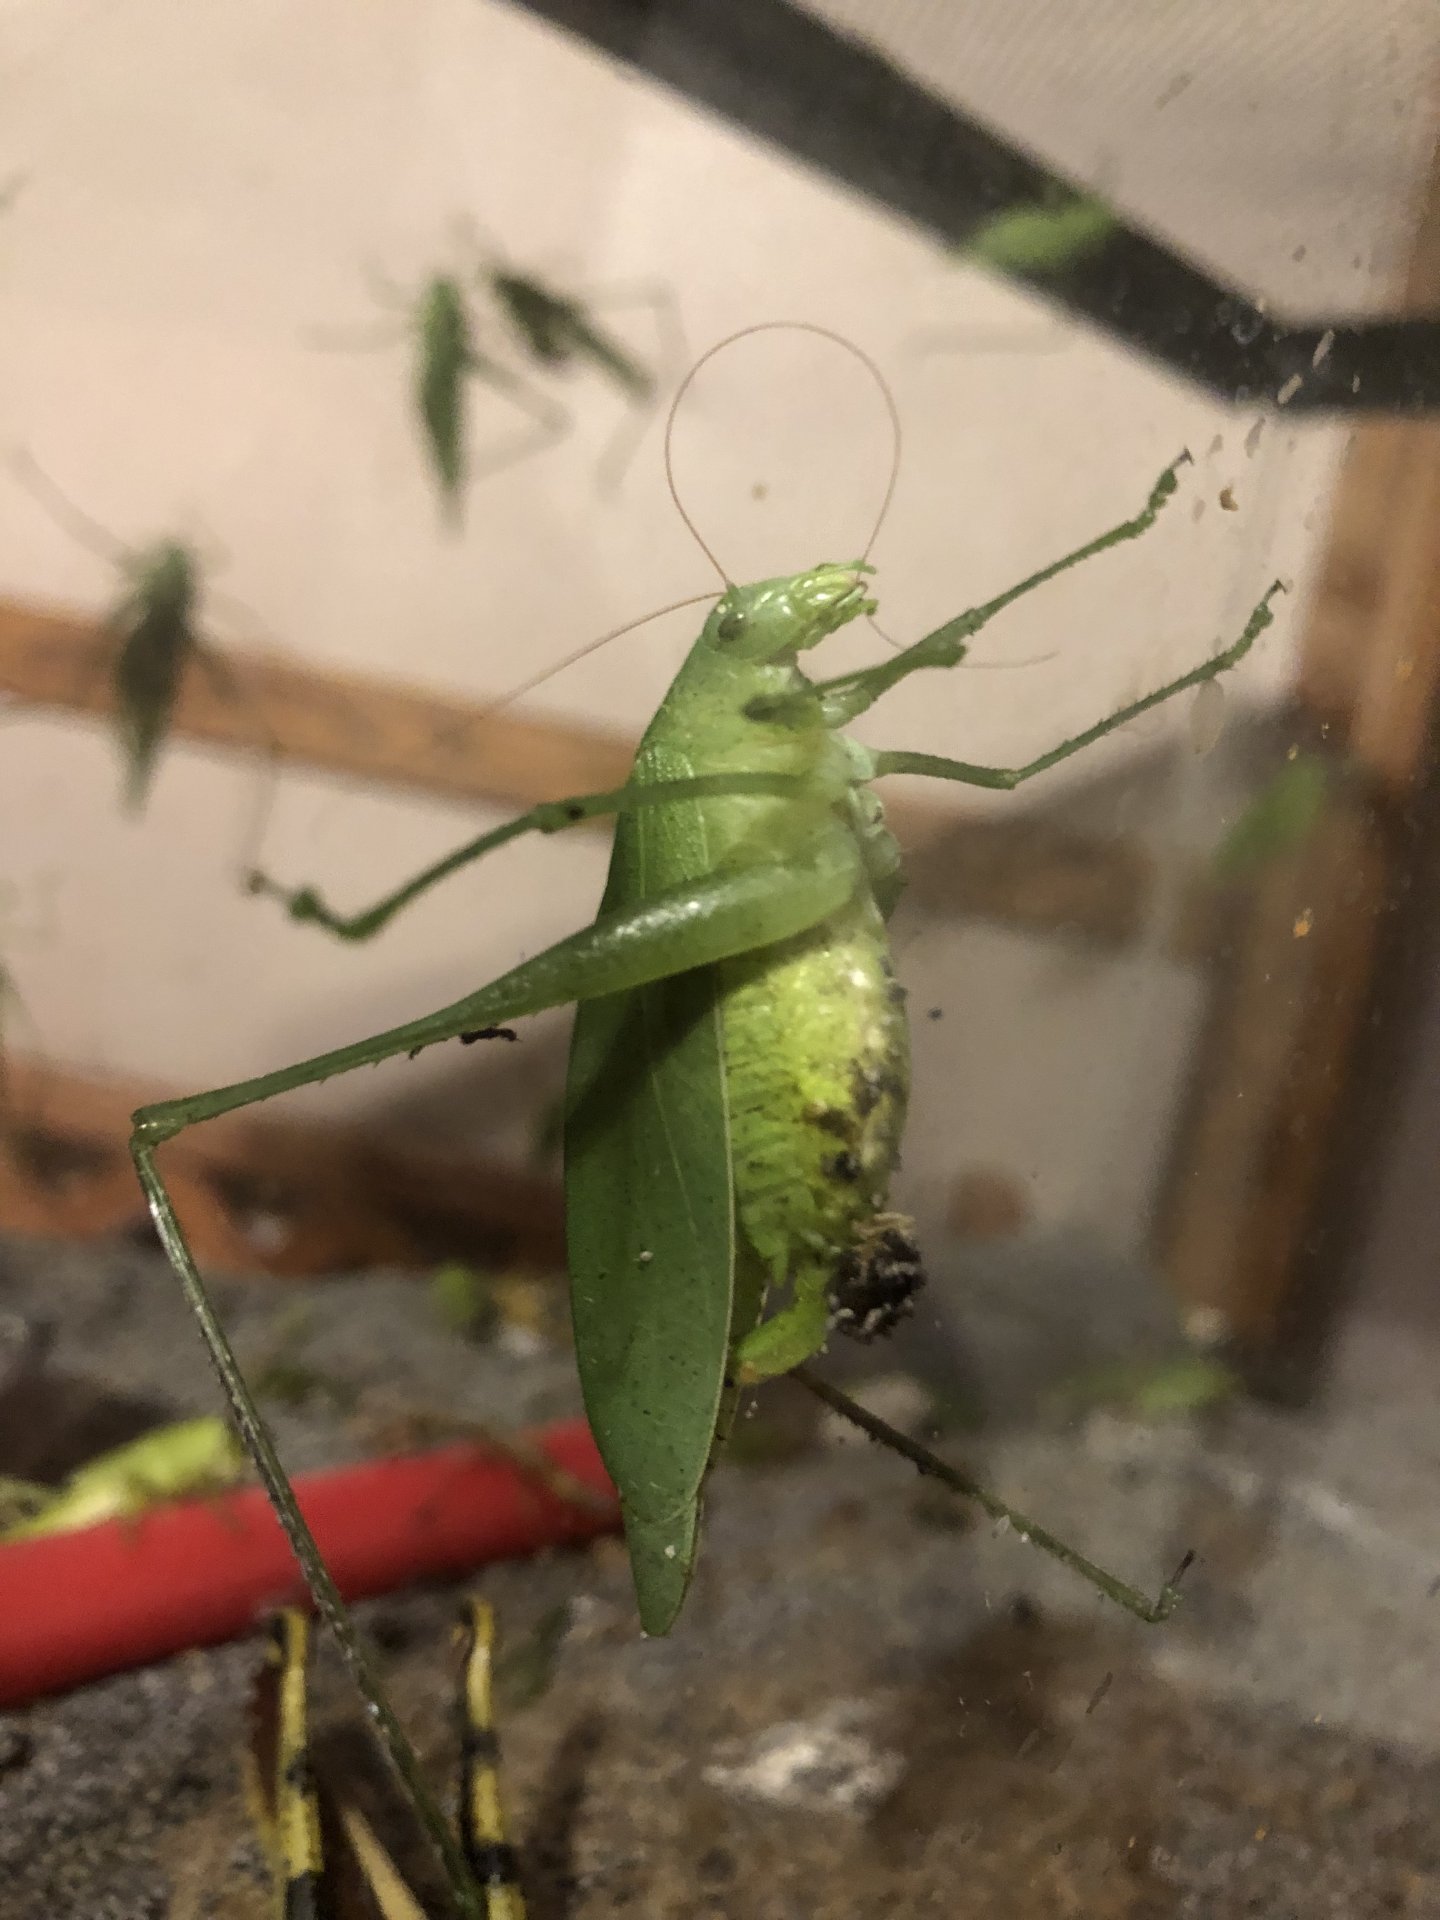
493 325
559 330
740 1067
452 352
152 632
1043 236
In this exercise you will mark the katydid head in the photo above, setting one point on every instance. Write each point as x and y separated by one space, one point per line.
164 578
443 316
774 619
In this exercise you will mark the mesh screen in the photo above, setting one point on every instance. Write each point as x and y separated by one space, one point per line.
1282 146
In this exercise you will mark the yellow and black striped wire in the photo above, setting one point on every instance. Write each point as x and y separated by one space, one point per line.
488 1853
284 1801
280 1784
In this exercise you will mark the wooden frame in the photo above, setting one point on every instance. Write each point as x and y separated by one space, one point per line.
1267 1158
345 1199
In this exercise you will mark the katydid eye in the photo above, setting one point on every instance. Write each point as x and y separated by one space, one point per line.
731 626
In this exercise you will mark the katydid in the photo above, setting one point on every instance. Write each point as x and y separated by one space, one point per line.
154 626
739 1070
1045 236
155 629
559 331
450 353
554 331
449 356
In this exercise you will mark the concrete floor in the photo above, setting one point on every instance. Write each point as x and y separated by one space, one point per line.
867 1709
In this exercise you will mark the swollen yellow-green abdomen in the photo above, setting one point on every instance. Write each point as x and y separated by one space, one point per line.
818 1068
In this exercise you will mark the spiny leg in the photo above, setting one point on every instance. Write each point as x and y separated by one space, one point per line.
926 1462
688 926
850 694
261 1449
552 816
939 767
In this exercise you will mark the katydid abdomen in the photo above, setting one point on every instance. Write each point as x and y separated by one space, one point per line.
817 1065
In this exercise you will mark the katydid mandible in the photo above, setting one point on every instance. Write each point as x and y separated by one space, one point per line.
739 1070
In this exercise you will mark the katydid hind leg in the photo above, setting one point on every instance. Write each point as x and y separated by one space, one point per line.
671 935
1152 1612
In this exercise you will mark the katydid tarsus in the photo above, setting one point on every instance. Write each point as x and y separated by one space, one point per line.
739 1070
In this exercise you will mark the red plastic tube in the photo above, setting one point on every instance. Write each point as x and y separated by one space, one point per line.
74 1606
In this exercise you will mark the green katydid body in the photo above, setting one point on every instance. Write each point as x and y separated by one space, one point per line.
738 1074
449 356
803 1039
155 626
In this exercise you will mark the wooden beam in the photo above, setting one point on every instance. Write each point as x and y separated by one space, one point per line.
374 729
1267 1148
389 734
258 1194
1251 1153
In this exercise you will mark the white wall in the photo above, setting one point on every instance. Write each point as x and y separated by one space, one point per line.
206 186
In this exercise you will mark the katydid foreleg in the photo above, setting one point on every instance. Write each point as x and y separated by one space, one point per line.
848 695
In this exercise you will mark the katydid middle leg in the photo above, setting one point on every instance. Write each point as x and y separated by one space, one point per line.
940 767
551 816
1152 1612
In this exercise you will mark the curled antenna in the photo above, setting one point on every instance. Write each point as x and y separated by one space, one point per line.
786 326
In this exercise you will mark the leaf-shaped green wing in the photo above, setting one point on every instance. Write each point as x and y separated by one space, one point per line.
650 1224
156 641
